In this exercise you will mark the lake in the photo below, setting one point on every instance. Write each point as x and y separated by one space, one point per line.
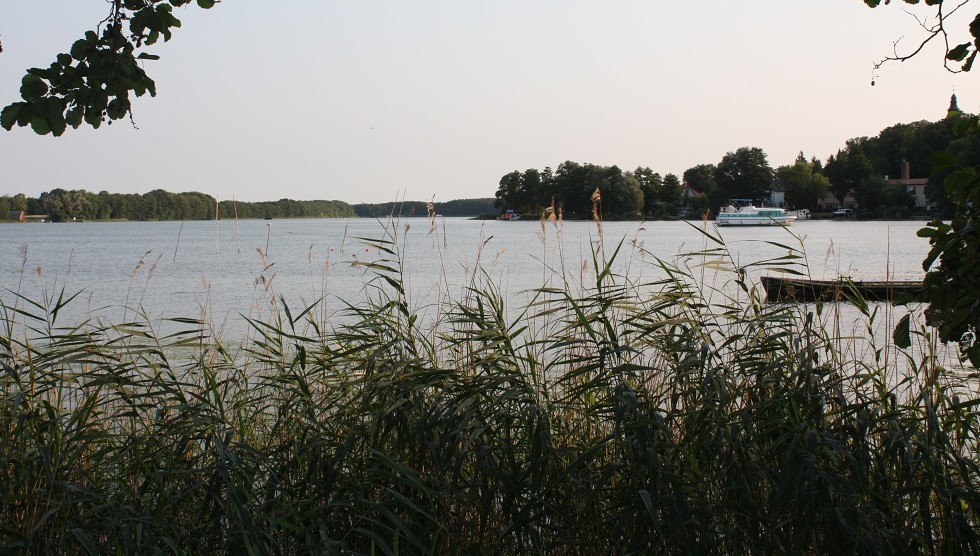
177 269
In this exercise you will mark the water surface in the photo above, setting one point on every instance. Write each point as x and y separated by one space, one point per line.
176 269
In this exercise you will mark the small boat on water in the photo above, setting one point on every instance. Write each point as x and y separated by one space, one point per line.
509 215
803 290
749 215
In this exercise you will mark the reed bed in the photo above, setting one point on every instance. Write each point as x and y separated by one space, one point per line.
611 417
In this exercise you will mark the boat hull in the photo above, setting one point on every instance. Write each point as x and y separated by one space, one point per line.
801 290
749 215
732 220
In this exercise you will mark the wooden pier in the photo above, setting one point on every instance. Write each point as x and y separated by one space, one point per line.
803 290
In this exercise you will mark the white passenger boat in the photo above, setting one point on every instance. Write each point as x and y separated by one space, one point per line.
749 215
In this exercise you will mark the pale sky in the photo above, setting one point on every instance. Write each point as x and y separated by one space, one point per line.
368 101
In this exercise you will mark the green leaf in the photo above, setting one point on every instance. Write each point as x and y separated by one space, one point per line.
79 50
117 108
64 59
959 179
943 160
58 125
9 115
206 4
24 118
958 53
74 116
145 56
93 117
902 335
56 116
32 88
968 65
40 125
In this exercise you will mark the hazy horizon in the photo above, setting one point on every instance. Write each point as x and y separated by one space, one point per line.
366 102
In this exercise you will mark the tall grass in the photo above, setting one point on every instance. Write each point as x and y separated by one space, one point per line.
614 417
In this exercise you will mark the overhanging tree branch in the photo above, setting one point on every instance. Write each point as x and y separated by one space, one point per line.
964 53
93 82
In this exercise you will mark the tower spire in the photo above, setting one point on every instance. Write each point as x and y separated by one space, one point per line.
953 106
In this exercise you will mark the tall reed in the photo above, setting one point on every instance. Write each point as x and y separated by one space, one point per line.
616 417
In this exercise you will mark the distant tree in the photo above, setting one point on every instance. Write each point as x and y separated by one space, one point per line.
547 193
33 205
803 186
672 190
62 205
531 191
697 205
465 207
621 194
651 184
509 190
18 202
817 165
701 178
896 197
868 193
745 174
571 183
848 168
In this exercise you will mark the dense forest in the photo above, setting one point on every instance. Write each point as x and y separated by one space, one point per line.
857 175
458 207
77 204
61 205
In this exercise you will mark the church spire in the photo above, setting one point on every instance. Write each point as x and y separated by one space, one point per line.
953 107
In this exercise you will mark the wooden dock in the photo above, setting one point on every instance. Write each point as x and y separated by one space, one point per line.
802 290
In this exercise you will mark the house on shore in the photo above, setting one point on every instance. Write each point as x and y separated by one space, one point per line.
915 186
16 216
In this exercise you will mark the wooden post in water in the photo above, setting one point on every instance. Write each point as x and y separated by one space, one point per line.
176 247
238 233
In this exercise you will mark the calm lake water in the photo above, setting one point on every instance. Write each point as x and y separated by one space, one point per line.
173 269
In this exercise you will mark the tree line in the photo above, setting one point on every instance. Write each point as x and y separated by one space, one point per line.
859 171
62 205
571 186
457 207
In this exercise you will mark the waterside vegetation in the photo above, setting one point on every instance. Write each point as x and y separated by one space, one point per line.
681 414
856 176
63 205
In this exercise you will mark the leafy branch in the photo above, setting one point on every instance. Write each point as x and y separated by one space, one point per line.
963 54
93 82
